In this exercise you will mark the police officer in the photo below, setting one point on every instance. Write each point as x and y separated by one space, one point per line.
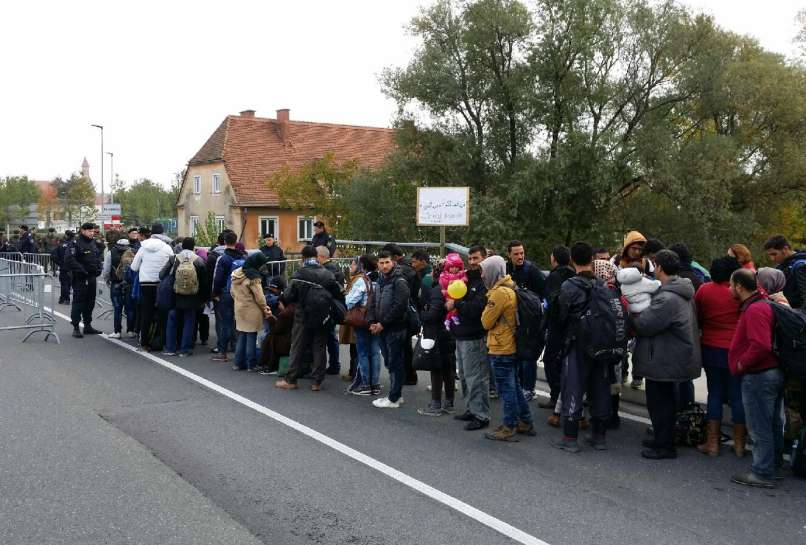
60 257
84 264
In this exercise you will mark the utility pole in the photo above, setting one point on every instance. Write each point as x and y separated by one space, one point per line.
102 164
111 178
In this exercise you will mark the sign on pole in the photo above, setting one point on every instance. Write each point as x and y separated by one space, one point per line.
443 207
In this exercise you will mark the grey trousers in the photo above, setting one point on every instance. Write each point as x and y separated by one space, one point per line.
474 376
301 337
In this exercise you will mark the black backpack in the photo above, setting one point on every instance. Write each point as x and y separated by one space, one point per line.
789 340
601 332
317 304
530 338
798 455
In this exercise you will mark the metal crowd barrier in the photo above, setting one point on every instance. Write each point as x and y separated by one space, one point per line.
43 260
27 285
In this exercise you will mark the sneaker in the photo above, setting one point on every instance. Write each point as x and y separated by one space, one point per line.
447 407
385 403
77 333
525 429
476 424
283 385
363 390
466 416
132 335
501 433
215 350
598 443
238 368
659 454
376 389
751 479
568 444
637 383
185 354
434 409
166 353
115 335
220 358
266 371
89 330
528 395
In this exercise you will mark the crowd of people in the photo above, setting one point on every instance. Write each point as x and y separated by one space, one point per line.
649 307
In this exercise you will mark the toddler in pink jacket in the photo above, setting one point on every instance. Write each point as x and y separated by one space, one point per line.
454 269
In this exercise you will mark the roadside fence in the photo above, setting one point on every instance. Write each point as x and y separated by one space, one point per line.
26 286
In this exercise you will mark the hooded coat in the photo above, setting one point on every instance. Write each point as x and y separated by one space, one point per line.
247 294
150 259
633 237
668 344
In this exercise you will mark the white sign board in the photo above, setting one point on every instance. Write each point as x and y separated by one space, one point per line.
443 206
110 209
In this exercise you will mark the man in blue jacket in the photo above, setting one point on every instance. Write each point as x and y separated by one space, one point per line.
224 306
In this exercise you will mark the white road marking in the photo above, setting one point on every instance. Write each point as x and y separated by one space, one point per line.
468 510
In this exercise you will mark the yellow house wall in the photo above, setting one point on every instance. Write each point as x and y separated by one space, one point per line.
191 204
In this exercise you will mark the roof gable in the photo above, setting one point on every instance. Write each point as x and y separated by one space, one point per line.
254 149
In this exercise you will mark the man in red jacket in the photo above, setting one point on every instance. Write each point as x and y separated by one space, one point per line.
752 358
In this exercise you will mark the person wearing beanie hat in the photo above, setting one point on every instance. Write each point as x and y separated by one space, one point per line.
499 319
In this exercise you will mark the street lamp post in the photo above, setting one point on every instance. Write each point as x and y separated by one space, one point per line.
111 178
102 164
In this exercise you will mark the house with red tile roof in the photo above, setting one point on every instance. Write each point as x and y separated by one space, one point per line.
229 174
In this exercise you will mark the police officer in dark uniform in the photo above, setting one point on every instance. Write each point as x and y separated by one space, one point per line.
84 264
60 257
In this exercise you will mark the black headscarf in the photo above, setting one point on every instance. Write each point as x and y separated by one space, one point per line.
253 264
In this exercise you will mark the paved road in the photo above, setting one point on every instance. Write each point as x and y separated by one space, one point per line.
103 445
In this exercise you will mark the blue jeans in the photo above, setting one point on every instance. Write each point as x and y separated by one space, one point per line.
333 350
393 347
121 302
763 396
245 350
527 374
724 388
187 319
369 357
505 369
225 322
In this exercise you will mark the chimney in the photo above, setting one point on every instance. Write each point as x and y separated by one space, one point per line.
248 113
282 122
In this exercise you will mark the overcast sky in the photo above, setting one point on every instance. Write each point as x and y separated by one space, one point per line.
161 75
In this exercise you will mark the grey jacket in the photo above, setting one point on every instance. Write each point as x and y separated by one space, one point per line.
668 345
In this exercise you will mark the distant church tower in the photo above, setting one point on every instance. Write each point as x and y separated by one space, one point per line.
85 169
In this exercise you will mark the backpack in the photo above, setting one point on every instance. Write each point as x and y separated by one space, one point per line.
125 262
317 306
789 340
530 338
186 279
798 455
236 264
601 332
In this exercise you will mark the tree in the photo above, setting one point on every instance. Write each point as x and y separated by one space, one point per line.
79 199
317 187
49 205
144 202
17 194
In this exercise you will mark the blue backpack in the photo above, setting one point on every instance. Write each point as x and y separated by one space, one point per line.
236 264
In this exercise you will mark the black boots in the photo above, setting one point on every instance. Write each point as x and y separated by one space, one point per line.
77 332
615 420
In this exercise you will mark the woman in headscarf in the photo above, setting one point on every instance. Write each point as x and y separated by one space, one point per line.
250 309
367 377
773 282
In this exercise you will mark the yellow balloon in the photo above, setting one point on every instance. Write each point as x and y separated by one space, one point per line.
457 289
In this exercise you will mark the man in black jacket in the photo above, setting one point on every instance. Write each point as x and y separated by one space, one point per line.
527 276
27 244
793 264
303 280
471 351
83 262
388 317
60 256
274 254
553 356
413 280
322 238
323 257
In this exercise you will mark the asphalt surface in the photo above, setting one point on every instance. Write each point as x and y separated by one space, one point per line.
102 445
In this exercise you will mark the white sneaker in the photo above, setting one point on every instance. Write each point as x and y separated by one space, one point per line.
113 336
132 335
384 403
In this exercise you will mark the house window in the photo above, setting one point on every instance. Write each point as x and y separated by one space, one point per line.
304 228
197 185
219 223
194 224
216 183
269 225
